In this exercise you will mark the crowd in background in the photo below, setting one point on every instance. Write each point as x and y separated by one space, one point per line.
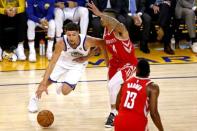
19 19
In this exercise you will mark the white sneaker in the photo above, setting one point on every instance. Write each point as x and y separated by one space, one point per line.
32 56
194 47
0 54
49 54
20 53
33 104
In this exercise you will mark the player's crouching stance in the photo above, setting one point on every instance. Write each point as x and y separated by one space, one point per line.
69 61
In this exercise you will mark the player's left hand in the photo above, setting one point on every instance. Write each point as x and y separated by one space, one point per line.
81 59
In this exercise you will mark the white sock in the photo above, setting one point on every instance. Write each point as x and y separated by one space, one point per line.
31 46
114 111
50 45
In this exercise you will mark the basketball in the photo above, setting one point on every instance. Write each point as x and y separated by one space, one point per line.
45 118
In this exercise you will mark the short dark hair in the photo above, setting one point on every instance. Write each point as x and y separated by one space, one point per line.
71 27
143 68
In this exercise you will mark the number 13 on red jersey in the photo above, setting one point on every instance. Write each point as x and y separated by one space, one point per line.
130 100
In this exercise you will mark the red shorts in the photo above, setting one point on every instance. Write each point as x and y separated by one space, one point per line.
125 123
126 69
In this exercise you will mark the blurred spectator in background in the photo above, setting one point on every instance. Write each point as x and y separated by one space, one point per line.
119 8
40 13
139 11
12 15
71 10
159 10
185 9
172 34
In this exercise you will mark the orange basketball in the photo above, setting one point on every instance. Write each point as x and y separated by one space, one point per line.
45 118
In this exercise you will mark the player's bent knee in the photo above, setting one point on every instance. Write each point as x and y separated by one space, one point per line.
66 92
66 89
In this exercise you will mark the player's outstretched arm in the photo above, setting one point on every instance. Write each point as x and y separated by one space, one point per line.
97 42
153 93
43 84
107 21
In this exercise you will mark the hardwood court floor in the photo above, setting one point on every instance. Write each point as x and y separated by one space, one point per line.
87 107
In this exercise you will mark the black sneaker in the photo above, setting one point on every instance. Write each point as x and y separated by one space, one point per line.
110 121
144 47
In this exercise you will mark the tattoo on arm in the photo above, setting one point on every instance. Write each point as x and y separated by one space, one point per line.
111 23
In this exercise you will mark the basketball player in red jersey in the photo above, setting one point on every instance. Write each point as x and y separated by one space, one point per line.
136 97
123 60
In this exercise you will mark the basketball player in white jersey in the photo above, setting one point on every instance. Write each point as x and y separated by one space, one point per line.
66 63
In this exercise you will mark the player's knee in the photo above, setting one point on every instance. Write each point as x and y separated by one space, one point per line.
66 90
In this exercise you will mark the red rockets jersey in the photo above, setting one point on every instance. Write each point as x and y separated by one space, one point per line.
134 100
121 50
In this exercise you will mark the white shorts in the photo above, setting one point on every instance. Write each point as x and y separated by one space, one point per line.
67 76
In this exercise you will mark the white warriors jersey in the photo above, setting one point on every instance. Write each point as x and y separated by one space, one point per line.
67 56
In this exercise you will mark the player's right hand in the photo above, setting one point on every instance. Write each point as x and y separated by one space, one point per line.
94 9
41 88
81 59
